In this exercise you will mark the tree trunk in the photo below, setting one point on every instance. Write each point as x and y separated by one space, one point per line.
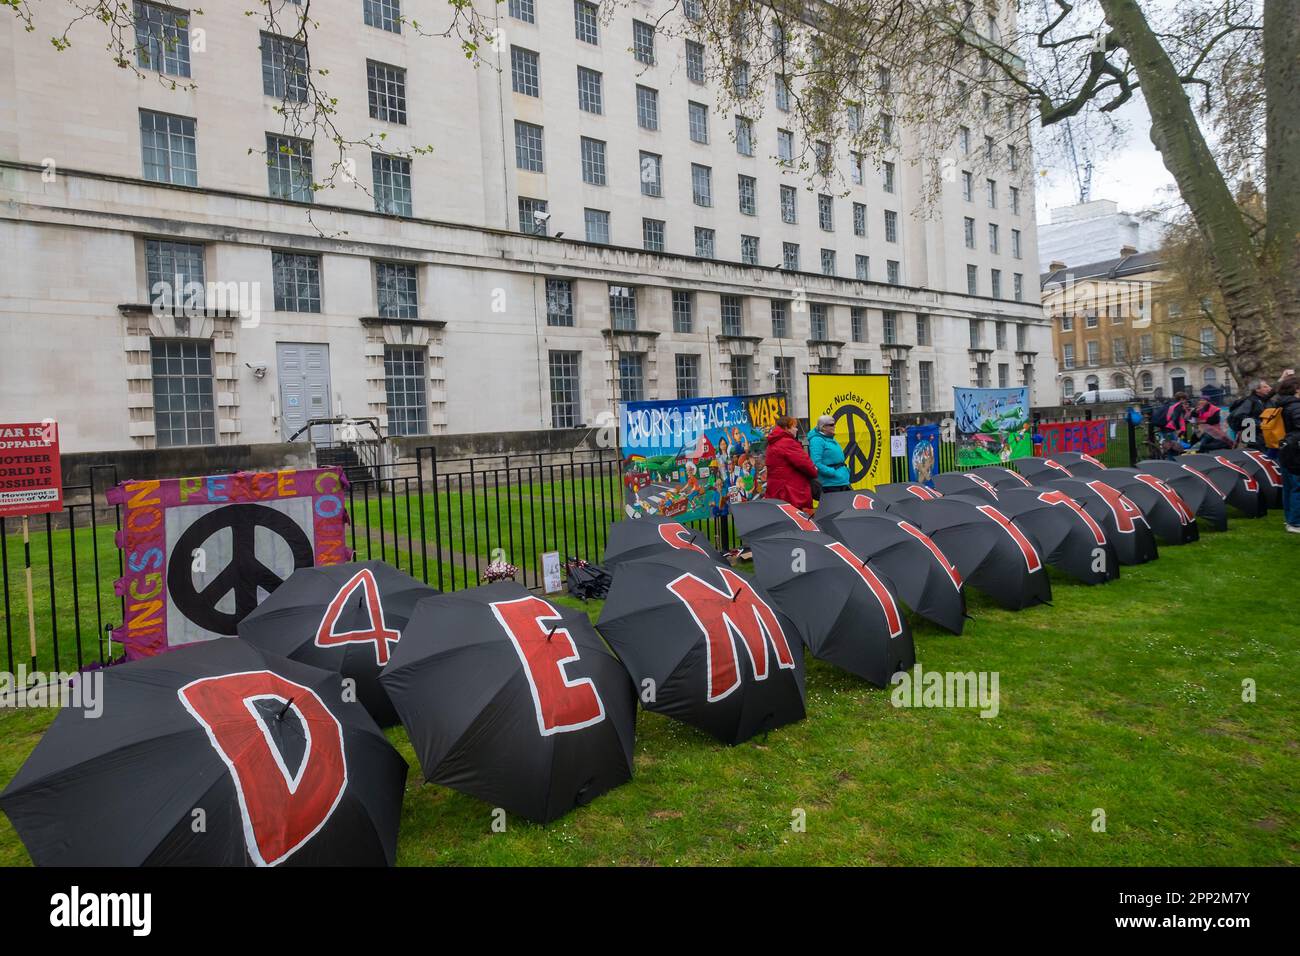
1176 135
1282 166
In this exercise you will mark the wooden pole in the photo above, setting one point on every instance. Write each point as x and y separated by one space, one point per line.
31 604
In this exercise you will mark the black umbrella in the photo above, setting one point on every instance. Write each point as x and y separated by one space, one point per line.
896 491
1040 471
1170 517
1265 469
513 700
1238 485
1067 536
642 537
966 483
992 554
705 645
1078 462
214 754
845 611
758 519
1126 528
586 581
1000 477
838 501
1202 495
342 617
915 567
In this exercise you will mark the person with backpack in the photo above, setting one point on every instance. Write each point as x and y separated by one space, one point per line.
1281 422
1248 408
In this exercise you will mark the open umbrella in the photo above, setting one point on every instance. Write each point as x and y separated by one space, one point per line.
990 552
838 501
1202 495
1266 471
642 537
758 519
1065 534
342 617
1237 483
896 491
1170 517
1040 471
705 645
513 700
966 483
213 754
1078 462
846 613
1126 528
1000 477
914 566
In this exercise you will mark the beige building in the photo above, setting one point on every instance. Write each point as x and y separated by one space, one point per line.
1113 326
171 278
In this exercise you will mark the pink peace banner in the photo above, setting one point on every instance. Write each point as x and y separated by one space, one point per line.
199 554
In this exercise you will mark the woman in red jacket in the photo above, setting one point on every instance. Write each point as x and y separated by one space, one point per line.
789 469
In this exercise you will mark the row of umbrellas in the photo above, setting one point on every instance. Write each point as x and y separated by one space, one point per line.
267 749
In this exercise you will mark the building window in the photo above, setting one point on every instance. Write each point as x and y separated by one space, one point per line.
559 302
162 39
819 326
652 174
1014 193
1118 351
1004 375
862 267
1067 323
858 323
826 213
688 375
888 173
631 377
982 375
780 319
701 185
525 73
862 366
1175 346
733 315
992 190
828 262
785 145
396 290
1146 383
741 368
405 376
647 107
593 161
859 219
384 14
392 184
790 256
993 237
694 61
893 272
782 94
889 322
585 26
749 250
597 223
1207 341
1018 286
589 91
683 311
1000 335
822 158
967 187
976 333
891 226
740 79
284 68
289 168
523 10
652 235
168 148
184 408
925 379
744 136
922 330
529 224
699 122
297 282
1094 353
1067 356
622 307
995 283
1015 244
1090 320
175 273
747 189
789 204
704 245
897 396
386 87
643 42
784 368
963 140
968 231
1022 336
972 280
566 402
528 147
1146 347
1067 387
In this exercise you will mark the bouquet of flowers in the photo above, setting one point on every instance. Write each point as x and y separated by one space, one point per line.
499 570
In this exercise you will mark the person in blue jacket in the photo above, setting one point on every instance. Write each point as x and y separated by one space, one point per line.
828 456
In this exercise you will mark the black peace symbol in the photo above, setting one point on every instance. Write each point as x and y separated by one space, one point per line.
860 447
243 575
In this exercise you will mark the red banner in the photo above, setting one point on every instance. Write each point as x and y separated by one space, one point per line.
1086 437
31 481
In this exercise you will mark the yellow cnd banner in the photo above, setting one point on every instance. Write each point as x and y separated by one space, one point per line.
860 406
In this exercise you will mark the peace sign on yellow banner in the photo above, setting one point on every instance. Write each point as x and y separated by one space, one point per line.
860 406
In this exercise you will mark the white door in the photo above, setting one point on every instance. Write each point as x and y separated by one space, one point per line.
304 371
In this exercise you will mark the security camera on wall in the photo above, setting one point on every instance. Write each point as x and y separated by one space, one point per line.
542 216
259 371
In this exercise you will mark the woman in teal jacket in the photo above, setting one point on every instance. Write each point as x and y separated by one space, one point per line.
828 456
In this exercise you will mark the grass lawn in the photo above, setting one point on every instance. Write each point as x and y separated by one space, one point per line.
1126 698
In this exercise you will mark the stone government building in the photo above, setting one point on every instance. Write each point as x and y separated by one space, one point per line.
435 297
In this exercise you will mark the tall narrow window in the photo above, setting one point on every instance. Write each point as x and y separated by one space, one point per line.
288 168
566 408
392 176
405 378
386 87
184 409
162 39
396 291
